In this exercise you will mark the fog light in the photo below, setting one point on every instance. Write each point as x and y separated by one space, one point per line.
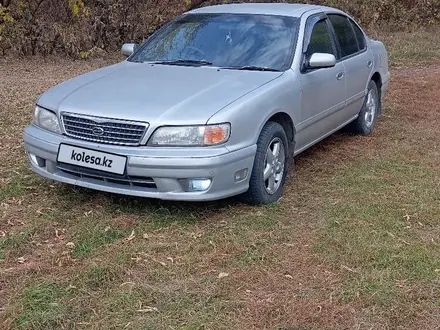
37 160
241 175
199 184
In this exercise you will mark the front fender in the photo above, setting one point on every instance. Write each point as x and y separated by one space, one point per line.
249 114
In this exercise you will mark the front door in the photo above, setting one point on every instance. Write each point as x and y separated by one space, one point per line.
323 90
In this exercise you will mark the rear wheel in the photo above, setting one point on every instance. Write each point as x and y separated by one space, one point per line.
364 124
270 166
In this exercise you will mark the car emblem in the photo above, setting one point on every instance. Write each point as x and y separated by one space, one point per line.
98 131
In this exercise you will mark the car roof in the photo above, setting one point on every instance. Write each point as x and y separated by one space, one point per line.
284 9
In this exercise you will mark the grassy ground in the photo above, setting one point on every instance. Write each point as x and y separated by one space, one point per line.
417 48
354 244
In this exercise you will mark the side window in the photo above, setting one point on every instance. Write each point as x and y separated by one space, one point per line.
320 40
344 34
359 35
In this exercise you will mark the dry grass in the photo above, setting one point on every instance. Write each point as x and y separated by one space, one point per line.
416 48
354 244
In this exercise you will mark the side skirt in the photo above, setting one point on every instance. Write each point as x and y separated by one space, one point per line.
297 152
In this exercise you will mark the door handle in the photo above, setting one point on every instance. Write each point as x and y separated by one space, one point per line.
340 75
369 63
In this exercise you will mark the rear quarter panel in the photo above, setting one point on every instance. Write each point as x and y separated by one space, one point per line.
381 62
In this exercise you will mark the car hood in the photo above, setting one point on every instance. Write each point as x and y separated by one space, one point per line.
162 94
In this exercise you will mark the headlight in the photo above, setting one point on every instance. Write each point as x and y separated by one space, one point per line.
47 119
179 136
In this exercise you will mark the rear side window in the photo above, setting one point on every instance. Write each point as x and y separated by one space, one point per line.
345 34
359 35
320 40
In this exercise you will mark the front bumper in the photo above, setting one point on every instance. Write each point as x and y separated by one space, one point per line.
164 167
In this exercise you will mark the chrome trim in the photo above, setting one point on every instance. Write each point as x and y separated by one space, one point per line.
104 120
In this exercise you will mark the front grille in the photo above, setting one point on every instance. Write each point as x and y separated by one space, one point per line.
95 175
103 130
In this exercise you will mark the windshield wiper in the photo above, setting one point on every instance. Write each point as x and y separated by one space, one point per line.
183 62
251 68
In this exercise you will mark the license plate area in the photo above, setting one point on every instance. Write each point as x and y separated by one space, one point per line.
93 159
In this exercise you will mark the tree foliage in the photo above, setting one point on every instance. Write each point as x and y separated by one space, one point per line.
82 27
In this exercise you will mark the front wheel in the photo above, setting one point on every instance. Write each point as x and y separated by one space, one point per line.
270 166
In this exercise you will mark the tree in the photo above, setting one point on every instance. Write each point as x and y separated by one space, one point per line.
191 4
5 3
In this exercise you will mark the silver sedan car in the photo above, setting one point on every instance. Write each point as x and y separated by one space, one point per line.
214 104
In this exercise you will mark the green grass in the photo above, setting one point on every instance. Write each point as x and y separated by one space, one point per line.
369 233
96 277
15 243
88 239
250 256
365 234
42 307
23 181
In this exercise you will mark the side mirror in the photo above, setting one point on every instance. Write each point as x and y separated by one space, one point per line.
322 60
128 49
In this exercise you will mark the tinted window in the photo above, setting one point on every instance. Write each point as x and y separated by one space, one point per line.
226 40
359 35
344 34
320 40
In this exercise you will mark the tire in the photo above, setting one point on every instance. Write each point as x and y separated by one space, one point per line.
266 191
364 124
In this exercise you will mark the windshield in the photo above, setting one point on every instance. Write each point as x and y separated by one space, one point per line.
223 40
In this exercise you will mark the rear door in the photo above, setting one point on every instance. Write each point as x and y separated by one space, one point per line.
323 90
356 58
